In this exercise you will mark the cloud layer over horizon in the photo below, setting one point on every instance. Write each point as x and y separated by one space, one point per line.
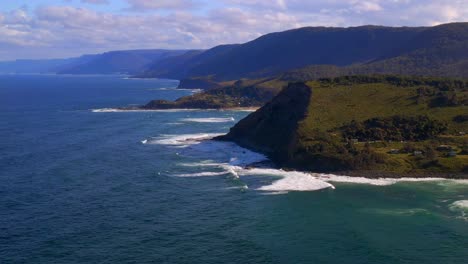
64 28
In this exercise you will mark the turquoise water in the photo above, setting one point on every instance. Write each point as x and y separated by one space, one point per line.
78 186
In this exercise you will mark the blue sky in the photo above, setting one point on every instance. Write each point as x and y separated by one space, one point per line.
65 28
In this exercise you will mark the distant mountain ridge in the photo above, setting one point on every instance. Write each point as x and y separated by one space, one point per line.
126 61
297 54
441 50
41 66
113 62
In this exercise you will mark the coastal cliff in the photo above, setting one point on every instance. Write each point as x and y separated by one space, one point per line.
391 126
273 128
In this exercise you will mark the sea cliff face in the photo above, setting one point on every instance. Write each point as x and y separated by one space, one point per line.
273 128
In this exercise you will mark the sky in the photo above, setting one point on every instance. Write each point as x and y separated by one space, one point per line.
37 29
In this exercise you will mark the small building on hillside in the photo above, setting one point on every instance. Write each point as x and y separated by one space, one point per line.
452 154
417 153
394 151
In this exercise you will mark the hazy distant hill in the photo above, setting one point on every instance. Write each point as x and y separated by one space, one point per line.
128 62
41 66
440 50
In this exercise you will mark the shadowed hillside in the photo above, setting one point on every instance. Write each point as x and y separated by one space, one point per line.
439 51
273 128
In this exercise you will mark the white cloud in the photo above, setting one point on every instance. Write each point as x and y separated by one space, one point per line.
367 6
270 4
144 5
65 30
96 2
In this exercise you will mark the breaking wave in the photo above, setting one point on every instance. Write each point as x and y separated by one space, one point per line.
118 110
236 161
290 180
181 141
175 89
209 120
201 174
461 205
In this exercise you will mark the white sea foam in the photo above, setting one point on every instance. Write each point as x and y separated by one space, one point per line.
357 180
275 193
106 110
175 89
250 110
398 211
181 140
232 171
226 153
295 181
464 181
201 174
118 110
382 181
461 205
162 89
233 159
174 123
302 181
209 120
200 164
290 180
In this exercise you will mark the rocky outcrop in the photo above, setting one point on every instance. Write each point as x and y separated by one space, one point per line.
272 129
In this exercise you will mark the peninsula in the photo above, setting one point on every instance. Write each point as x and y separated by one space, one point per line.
371 126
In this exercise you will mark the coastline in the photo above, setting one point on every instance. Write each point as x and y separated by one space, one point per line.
375 174
366 174
376 178
372 177
141 109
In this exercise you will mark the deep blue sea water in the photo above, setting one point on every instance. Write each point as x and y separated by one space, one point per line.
78 186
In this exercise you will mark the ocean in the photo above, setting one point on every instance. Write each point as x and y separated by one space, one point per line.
83 183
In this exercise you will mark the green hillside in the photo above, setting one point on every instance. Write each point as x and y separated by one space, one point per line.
340 100
242 93
354 123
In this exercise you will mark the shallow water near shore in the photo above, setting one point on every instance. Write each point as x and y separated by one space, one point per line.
83 186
